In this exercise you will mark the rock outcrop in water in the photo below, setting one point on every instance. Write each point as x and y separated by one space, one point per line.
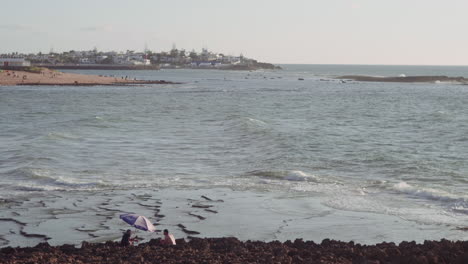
231 250
407 79
252 67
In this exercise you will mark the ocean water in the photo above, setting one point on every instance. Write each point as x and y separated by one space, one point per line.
264 140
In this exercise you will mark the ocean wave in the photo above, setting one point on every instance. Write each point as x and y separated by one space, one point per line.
426 193
246 123
358 199
255 135
254 121
58 185
36 188
37 179
453 202
29 173
294 175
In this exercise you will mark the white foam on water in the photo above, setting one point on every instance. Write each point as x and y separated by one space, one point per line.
31 187
255 121
41 179
36 173
436 206
293 176
298 175
62 180
425 193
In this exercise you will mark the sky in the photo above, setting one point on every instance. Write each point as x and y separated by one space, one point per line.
396 32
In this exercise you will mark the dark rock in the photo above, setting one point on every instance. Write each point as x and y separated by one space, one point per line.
326 242
8 250
43 245
180 241
231 250
67 249
407 79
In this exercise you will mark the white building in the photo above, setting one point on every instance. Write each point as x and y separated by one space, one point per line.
132 60
14 62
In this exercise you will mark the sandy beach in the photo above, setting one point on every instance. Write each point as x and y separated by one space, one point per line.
52 77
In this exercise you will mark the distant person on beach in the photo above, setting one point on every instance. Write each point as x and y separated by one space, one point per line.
168 238
126 240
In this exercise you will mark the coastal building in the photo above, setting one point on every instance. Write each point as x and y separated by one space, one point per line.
87 60
14 62
173 59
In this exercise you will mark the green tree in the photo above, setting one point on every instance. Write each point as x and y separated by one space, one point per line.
193 55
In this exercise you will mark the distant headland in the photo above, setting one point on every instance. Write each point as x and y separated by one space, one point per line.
132 60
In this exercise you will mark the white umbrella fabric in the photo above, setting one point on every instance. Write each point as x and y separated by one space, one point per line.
138 221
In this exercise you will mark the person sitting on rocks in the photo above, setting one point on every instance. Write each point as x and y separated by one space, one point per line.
168 238
126 239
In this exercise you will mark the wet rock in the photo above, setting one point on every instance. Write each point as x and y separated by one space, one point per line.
326 242
8 250
68 249
231 250
376 253
180 241
43 245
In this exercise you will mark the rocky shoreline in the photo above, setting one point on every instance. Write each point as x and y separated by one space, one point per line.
406 79
231 250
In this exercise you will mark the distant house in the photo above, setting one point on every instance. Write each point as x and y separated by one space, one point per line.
87 61
14 62
134 59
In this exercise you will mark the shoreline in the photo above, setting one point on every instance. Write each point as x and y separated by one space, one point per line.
73 217
232 250
99 67
47 77
153 67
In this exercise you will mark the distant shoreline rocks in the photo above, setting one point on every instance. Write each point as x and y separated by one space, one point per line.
252 67
405 79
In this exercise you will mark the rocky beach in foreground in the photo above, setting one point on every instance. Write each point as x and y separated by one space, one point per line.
44 76
231 250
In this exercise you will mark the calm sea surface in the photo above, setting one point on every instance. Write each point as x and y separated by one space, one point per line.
386 148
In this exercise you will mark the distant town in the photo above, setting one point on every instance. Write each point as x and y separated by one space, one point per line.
95 59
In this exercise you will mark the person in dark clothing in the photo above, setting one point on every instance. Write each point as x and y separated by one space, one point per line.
126 240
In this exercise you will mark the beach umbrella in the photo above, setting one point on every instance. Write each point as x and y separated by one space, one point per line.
138 221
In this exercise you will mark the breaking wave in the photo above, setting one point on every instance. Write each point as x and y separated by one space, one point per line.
40 179
425 193
294 175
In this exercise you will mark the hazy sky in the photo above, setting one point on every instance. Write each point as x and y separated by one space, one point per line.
422 32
